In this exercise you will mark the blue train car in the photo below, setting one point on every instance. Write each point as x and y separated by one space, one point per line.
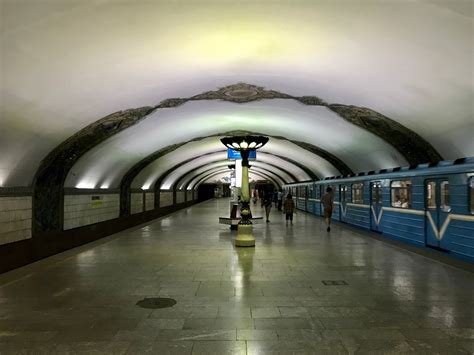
301 197
431 206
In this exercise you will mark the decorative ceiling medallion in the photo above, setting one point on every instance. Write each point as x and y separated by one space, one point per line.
241 93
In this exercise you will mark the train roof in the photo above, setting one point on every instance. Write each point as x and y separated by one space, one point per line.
442 167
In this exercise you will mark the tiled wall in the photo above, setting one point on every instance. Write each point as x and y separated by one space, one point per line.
180 196
15 218
136 201
149 201
189 195
81 210
166 198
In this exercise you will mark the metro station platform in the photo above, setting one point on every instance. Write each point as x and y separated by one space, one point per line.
300 290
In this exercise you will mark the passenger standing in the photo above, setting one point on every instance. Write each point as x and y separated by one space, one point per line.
279 199
289 208
328 204
268 205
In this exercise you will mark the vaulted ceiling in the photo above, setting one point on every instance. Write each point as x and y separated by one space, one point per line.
99 93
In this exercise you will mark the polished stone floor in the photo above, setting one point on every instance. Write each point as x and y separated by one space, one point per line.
262 300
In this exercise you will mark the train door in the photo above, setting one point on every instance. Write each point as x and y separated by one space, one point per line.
317 204
376 205
309 198
322 191
306 192
336 215
437 208
294 195
343 192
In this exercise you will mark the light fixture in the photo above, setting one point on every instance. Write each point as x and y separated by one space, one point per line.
245 237
242 142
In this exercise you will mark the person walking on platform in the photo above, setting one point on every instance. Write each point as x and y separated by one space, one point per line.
280 199
289 208
328 204
267 202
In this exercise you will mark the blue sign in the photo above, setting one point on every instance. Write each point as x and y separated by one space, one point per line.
235 154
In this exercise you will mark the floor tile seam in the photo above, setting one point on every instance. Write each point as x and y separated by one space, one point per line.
51 262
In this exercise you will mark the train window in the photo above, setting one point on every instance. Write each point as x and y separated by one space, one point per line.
431 194
445 205
343 193
471 194
376 192
401 193
358 193
310 191
302 191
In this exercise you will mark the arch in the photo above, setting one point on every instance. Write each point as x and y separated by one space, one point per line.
268 174
253 168
185 177
50 176
263 175
127 179
271 174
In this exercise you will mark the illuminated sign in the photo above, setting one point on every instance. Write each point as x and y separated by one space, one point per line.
234 154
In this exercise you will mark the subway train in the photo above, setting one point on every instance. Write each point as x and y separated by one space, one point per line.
428 205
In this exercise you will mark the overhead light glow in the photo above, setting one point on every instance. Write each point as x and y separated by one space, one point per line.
244 145
85 185
104 186
252 145
235 145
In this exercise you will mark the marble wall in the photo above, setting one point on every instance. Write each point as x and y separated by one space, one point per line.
15 218
136 202
149 201
166 198
180 196
82 210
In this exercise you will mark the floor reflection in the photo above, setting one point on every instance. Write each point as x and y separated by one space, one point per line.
245 257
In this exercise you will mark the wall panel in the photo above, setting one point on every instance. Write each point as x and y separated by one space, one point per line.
15 218
136 202
166 198
82 210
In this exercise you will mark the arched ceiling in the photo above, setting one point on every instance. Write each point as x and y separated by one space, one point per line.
341 86
203 151
316 125
219 174
147 177
279 174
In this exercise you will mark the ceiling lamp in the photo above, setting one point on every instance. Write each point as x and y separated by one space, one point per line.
244 142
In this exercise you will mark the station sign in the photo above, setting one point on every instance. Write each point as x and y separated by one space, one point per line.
235 154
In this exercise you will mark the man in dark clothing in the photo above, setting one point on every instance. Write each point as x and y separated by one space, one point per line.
328 205
289 208
267 203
